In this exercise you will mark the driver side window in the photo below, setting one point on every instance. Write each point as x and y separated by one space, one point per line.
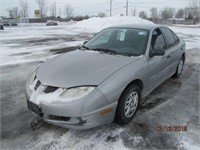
157 41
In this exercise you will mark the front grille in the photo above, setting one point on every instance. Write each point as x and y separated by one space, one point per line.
35 108
37 85
59 118
50 89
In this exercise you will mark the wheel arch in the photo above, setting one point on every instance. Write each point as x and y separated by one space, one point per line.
138 82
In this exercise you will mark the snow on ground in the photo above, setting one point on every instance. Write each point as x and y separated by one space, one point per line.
188 145
28 43
190 35
97 141
34 43
188 26
96 24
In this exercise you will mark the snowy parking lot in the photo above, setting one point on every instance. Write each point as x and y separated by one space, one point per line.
174 103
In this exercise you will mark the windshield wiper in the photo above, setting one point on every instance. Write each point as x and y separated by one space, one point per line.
109 51
85 47
105 50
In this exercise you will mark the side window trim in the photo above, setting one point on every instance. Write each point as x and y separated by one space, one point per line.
168 45
175 36
165 38
162 36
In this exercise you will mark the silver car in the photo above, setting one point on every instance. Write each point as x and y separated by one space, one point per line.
106 78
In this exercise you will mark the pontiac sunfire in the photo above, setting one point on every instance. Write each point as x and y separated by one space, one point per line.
106 78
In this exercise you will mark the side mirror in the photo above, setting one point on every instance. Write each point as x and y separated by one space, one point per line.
157 52
85 42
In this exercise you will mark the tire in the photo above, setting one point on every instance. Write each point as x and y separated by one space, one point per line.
179 68
128 104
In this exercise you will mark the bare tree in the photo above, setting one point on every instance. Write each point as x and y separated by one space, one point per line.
179 13
14 13
143 14
53 10
42 4
101 15
195 8
154 13
167 13
23 5
68 11
10 12
188 13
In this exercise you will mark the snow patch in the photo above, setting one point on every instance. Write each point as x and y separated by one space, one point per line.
188 145
136 140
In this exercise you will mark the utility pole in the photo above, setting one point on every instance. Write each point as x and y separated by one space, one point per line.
111 8
55 8
126 7
59 13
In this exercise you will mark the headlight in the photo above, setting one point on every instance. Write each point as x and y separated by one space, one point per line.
76 93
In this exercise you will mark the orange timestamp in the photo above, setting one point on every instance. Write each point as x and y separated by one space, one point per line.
171 128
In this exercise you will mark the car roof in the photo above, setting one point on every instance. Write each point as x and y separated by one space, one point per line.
139 26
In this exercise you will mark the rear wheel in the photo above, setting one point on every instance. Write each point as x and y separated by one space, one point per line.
128 104
179 68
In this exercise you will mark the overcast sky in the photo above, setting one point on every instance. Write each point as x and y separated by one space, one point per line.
93 7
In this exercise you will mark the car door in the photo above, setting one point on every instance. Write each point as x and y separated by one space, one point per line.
173 48
158 65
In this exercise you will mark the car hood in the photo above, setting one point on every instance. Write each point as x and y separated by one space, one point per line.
79 68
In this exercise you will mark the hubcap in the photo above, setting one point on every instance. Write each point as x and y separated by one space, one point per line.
180 67
131 104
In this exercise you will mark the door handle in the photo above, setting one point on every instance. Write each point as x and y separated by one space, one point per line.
168 56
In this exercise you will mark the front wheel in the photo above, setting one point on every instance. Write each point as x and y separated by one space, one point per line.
179 68
128 104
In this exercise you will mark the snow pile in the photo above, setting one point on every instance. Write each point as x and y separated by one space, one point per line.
96 24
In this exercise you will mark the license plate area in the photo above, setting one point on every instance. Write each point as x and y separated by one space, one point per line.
35 108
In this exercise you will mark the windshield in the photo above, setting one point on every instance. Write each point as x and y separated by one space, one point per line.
124 41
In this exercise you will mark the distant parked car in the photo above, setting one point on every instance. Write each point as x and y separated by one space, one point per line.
1 27
51 23
13 24
107 77
6 24
10 24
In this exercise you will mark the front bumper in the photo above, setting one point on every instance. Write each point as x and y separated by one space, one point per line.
79 114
